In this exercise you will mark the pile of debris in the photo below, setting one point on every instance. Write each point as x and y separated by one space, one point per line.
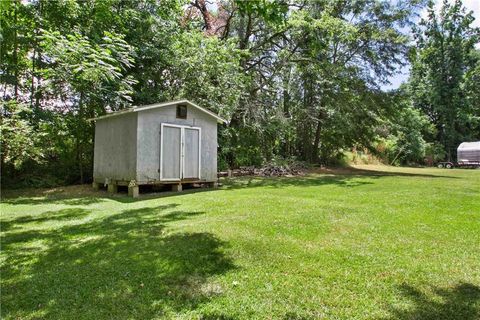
268 170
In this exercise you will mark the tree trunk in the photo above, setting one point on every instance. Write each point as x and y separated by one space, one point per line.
316 142
286 113
36 65
245 32
307 126
79 139
208 19
32 87
15 50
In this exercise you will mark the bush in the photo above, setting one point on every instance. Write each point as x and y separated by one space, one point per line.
357 157
31 180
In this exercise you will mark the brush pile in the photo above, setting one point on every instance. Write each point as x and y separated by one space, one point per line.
268 170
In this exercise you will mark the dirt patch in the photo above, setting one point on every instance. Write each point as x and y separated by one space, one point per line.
80 191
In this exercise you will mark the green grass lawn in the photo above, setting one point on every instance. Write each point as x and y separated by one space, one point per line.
369 243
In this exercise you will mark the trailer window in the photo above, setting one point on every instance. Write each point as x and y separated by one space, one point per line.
181 111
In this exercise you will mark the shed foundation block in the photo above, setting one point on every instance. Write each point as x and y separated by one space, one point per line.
112 188
96 186
133 191
212 184
177 187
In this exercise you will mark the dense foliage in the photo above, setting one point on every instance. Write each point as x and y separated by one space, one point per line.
295 79
445 75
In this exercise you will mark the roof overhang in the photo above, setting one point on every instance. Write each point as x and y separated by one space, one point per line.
160 105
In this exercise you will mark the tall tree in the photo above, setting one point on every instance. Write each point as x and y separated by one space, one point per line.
442 66
295 78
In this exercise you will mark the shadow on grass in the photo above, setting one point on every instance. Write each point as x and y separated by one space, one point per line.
216 316
381 173
344 177
124 266
71 199
84 195
461 302
280 182
60 215
294 316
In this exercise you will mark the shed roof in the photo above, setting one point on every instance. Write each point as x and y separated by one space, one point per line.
160 105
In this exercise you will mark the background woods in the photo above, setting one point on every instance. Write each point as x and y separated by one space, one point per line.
295 79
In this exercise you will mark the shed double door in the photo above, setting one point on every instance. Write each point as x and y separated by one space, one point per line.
180 154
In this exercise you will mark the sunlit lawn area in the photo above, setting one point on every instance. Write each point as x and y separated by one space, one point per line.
365 243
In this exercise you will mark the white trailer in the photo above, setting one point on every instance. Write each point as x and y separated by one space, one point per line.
468 156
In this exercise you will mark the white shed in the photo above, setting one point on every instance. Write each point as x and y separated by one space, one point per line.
164 143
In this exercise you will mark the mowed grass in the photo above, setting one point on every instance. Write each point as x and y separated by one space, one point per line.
364 243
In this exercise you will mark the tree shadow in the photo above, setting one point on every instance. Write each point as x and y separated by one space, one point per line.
72 200
86 197
216 316
60 215
280 182
84 194
295 316
380 173
344 177
461 302
129 265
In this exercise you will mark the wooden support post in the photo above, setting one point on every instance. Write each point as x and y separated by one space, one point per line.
96 186
112 187
177 187
133 191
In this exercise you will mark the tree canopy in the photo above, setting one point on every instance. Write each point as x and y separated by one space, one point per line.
445 62
296 79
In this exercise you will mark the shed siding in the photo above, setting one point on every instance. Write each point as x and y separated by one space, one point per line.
115 148
148 141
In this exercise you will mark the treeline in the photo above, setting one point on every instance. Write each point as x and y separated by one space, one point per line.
295 79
